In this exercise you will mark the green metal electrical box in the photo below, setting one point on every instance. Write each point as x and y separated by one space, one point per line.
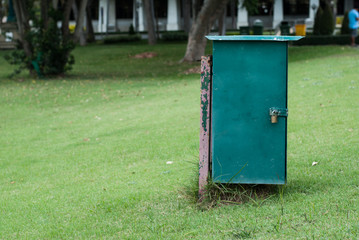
249 109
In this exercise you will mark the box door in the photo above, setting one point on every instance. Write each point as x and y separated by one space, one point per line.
249 78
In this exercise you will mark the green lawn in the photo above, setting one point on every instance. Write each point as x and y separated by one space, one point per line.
85 156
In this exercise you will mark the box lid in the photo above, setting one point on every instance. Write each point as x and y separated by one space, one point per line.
254 38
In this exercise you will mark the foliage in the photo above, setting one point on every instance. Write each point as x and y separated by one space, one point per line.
120 39
317 21
324 21
345 24
251 6
50 52
327 23
174 36
324 40
131 30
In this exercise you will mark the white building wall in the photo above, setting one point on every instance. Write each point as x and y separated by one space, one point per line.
173 15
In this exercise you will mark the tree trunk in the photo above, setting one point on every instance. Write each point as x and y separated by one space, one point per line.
89 30
44 12
196 7
186 10
196 45
148 7
75 9
23 26
55 4
79 33
222 22
233 14
67 5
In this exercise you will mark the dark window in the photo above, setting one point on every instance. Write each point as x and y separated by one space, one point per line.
160 8
124 9
265 7
340 7
296 7
232 8
94 9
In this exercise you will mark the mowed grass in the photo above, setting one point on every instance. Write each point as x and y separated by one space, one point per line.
86 156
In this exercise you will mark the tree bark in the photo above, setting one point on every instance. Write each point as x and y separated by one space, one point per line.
186 10
55 4
149 11
196 7
233 15
196 45
89 30
23 25
44 12
67 5
222 22
79 33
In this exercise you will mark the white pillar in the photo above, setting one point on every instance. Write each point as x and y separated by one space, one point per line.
277 13
138 16
242 15
312 11
111 26
103 16
173 15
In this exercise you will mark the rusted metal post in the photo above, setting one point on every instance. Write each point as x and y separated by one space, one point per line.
204 142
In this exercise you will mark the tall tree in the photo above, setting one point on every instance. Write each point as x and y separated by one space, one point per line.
22 16
90 36
44 12
44 48
210 11
79 35
66 8
233 14
222 22
150 19
186 10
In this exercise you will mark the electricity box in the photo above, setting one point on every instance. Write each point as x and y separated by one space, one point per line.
248 110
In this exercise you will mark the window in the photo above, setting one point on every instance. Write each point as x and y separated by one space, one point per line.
124 9
296 7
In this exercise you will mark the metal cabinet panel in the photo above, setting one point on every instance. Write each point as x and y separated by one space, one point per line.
249 78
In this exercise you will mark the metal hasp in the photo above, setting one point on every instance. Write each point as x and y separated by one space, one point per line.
249 78
274 113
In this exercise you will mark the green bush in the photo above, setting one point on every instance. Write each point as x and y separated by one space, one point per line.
174 36
324 21
50 52
327 21
345 24
120 39
324 40
317 21
131 30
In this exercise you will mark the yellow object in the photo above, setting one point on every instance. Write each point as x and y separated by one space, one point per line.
300 29
339 20
72 28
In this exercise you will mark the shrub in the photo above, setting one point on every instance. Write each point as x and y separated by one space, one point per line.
317 21
174 36
124 38
131 30
345 24
324 40
327 21
324 21
50 53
